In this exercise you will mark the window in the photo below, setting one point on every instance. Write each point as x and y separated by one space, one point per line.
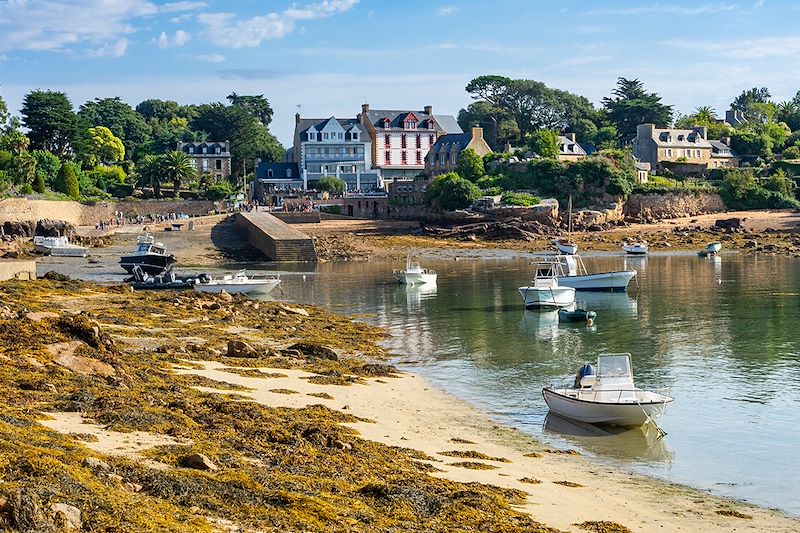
442 159
403 141
669 152
453 158
341 136
288 172
355 136
191 149
388 157
387 140
697 153
216 149
205 150
430 124
205 165
404 158
269 172
419 157
218 164
431 139
419 140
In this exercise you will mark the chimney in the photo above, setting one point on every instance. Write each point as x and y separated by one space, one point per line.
296 119
570 136
477 132
726 140
428 110
365 108
702 131
645 131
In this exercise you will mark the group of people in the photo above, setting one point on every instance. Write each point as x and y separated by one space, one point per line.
121 219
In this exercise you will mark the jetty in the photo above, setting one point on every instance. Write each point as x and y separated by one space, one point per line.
275 238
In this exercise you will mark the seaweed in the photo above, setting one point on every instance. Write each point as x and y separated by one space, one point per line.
472 454
733 513
323 395
531 480
473 465
568 484
603 526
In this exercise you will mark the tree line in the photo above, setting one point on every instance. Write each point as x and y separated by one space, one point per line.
109 148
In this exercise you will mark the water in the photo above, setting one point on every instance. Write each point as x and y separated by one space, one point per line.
720 333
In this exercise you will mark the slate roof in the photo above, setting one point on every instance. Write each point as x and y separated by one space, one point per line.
452 142
720 149
278 170
569 147
319 123
674 138
443 123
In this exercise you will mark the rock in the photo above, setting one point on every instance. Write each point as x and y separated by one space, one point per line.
64 355
342 445
198 461
241 349
212 306
96 464
38 317
294 310
750 244
132 487
224 296
66 516
729 223
114 477
52 275
34 362
6 313
314 350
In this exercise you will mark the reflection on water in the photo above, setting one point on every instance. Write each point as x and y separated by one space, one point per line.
719 332
627 445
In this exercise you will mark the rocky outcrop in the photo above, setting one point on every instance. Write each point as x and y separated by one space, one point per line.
651 207
198 461
241 349
64 356
45 227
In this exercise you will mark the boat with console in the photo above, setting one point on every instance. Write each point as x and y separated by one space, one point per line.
238 283
636 248
607 395
150 255
576 315
545 290
414 274
574 274
565 246
57 247
711 249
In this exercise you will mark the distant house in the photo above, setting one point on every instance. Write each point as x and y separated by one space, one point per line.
642 172
734 117
401 139
688 147
211 158
276 178
339 147
443 155
569 149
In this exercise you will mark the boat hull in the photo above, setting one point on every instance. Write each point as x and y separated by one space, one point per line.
564 248
542 297
578 315
607 281
635 250
237 288
413 278
627 413
150 264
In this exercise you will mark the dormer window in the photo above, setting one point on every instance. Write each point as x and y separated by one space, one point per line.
288 172
205 150
191 149
430 124
355 136
680 137
386 123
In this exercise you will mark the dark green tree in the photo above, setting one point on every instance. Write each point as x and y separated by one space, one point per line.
256 105
67 181
123 121
745 101
545 143
470 165
160 110
24 168
630 105
499 128
38 184
331 184
177 168
451 191
149 173
51 122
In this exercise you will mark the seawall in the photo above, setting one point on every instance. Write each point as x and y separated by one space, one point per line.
652 206
275 238
79 214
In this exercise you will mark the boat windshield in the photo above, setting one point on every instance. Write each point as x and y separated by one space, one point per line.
614 365
143 248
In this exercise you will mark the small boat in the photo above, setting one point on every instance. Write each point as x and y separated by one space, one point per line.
607 395
57 247
141 281
565 246
238 283
710 250
573 273
414 274
150 255
576 315
637 248
545 291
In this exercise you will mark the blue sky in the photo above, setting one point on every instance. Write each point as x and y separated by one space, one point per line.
331 55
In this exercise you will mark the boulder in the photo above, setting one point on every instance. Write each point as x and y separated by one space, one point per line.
66 517
314 350
38 317
96 464
241 349
198 461
729 223
294 310
224 296
64 356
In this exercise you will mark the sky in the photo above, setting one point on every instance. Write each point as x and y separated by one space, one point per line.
330 56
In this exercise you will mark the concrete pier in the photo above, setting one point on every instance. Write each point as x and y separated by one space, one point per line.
278 240
17 269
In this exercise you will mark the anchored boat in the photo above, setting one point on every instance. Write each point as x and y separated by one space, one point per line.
565 246
150 255
238 283
545 290
573 273
637 248
607 395
57 247
414 274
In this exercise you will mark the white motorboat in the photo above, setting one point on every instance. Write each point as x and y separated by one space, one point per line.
414 274
573 273
637 248
57 247
607 395
565 246
713 247
545 290
238 283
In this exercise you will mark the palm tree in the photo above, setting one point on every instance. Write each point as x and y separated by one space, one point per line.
149 172
177 167
705 114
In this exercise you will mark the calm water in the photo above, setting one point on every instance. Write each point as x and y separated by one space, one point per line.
721 333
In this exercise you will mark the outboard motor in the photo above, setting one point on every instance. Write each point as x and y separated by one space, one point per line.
204 278
586 370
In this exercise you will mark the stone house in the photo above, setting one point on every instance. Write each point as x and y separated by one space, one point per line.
569 149
443 155
401 139
687 147
211 158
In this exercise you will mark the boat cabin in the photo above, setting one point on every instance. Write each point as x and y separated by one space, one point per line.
545 273
147 245
614 375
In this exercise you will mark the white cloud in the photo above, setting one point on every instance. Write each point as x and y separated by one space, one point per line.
212 58
179 39
181 18
224 29
664 9
768 47
759 4
53 25
116 49
446 10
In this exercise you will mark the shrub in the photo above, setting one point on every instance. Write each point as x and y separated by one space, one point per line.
332 209
48 164
67 181
470 165
38 184
26 188
5 159
793 152
451 191
545 143
740 190
331 184
218 191
519 199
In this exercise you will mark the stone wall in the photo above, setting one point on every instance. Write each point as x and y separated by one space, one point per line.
78 214
642 206
17 269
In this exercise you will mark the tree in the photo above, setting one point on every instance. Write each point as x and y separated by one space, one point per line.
451 191
498 126
331 184
50 120
38 184
744 101
67 181
123 121
256 105
545 143
148 172
47 165
176 167
25 169
470 165
103 146
630 105
160 110
705 114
